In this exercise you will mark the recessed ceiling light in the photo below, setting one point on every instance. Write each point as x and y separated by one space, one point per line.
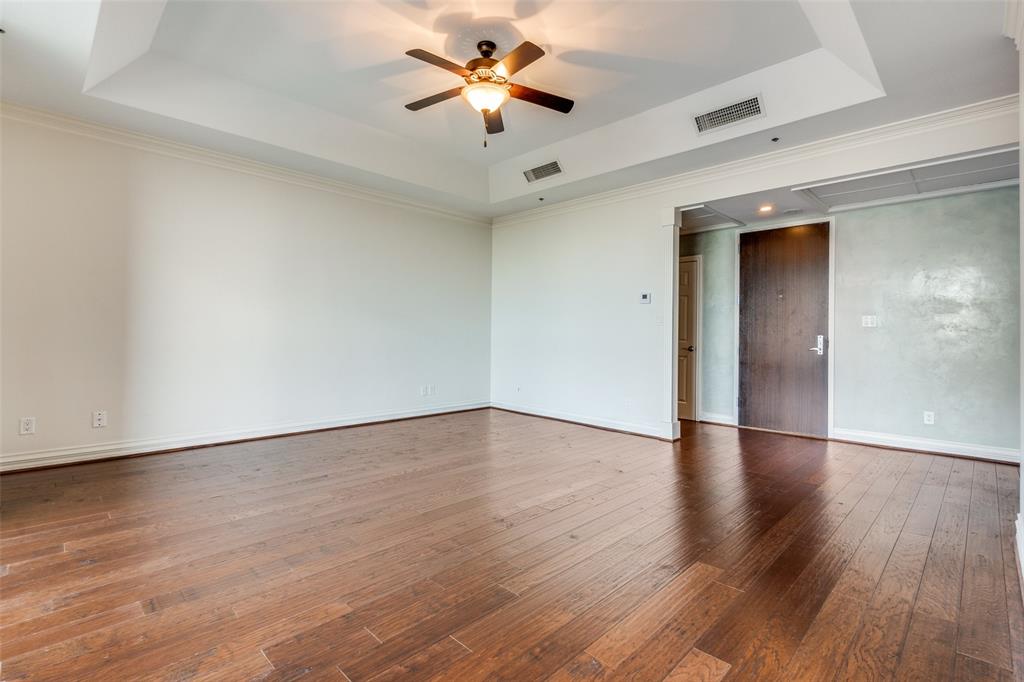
766 208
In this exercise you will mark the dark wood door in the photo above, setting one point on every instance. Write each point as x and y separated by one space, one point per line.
783 310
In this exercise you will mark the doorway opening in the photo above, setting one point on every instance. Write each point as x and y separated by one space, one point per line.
689 344
751 301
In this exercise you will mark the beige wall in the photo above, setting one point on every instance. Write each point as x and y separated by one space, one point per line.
197 302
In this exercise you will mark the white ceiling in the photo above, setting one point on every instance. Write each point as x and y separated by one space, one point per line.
982 170
320 86
614 59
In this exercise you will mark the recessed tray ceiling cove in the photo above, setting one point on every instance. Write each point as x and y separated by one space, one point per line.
320 86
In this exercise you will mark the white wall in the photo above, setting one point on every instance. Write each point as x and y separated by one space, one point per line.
569 335
198 299
197 303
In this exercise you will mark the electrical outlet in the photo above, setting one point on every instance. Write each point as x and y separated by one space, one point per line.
26 426
428 390
929 418
645 297
99 419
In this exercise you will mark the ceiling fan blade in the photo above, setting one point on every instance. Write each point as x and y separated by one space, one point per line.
433 99
544 99
519 58
439 61
493 123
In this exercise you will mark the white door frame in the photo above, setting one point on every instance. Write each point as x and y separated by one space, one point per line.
698 325
831 311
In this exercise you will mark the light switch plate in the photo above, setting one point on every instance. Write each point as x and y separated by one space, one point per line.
869 320
645 297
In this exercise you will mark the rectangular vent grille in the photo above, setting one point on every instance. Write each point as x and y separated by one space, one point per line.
748 108
541 172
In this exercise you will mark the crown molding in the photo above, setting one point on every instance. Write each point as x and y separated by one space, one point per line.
976 112
971 113
208 157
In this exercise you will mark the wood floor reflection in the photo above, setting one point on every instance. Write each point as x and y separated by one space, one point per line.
495 545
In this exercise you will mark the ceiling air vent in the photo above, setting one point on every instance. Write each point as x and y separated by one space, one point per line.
748 108
544 171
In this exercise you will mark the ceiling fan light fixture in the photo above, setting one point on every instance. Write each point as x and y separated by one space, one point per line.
486 95
487 87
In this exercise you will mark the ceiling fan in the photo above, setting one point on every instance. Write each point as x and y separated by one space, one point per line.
487 86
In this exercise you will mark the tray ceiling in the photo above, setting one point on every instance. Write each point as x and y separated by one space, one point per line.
320 86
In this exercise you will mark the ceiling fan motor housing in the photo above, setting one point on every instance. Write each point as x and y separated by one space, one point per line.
482 67
486 48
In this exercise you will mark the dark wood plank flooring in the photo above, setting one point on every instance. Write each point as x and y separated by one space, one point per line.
492 545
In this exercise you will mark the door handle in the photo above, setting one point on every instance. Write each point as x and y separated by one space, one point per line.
690 348
820 348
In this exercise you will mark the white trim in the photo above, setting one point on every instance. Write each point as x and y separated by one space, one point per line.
906 198
912 166
928 444
83 453
178 150
830 347
1013 22
971 113
712 228
1019 544
833 236
30 459
671 413
714 418
664 431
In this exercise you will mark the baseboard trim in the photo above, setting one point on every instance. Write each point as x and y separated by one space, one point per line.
943 447
1019 545
714 418
21 461
659 432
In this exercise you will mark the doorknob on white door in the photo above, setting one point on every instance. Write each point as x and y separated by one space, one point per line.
820 348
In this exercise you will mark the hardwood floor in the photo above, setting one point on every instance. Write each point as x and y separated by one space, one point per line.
495 545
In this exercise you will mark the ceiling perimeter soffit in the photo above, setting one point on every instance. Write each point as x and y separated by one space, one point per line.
836 71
